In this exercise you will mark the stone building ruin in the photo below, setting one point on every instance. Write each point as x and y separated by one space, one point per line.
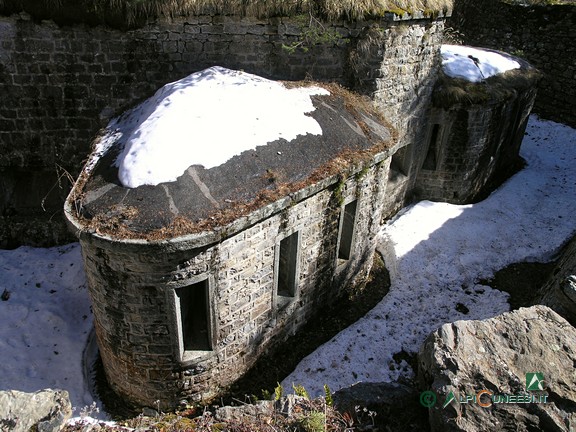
192 279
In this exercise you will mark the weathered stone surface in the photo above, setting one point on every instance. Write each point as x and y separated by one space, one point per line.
396 405
467 357
559 293
237 413
60 85
47 410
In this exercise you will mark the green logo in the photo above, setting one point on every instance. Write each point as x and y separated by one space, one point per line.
428 399
449 398
534 381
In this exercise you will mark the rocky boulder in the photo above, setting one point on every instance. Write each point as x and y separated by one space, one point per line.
516 371
45 410
559 293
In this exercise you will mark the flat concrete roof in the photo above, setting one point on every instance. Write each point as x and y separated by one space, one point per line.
203 198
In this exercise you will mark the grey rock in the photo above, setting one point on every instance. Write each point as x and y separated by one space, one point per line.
237 413
495 355
47 410
559 292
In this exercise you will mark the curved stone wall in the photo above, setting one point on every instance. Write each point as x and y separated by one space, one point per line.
134 285
543 35
469 146
61 84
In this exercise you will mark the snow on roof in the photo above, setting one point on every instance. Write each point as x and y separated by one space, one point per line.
474 64
205 119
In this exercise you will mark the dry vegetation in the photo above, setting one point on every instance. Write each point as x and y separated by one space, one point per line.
293 414
116 222
540 2
452 91
134 10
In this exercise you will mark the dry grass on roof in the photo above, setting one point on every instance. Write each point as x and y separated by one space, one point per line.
346 163
540 2
131 10
449 92
265 8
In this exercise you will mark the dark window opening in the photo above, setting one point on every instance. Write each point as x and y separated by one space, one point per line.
287 263
399 165
430 163
194 316
347 231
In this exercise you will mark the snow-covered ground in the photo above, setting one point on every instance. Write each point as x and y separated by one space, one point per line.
436 253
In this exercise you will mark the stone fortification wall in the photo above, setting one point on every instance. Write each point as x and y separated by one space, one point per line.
470 146
543 35
60 85
133 285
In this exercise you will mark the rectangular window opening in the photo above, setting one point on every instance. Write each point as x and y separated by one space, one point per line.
193 302
347 230
287 263
430 163
399 165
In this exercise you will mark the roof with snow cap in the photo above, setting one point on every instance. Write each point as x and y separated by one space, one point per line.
217 145
473 76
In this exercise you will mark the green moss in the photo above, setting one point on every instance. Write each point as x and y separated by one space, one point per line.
338 191
362 173
397 11
314 422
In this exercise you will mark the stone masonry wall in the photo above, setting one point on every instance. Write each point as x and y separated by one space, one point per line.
60 85
401 73
474 144
543 35
132 287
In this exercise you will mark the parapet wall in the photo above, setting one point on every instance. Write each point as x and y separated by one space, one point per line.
60 85
543 35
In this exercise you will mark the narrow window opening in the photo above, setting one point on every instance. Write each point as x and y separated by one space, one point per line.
193 302
287 262
430 163
347 230
399 165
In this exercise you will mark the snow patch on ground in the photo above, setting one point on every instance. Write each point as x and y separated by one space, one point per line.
437 253
46 320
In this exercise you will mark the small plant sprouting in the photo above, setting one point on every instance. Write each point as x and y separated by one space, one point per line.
361 412
314 422
266 394
338 191
278 392
299 390
328 395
